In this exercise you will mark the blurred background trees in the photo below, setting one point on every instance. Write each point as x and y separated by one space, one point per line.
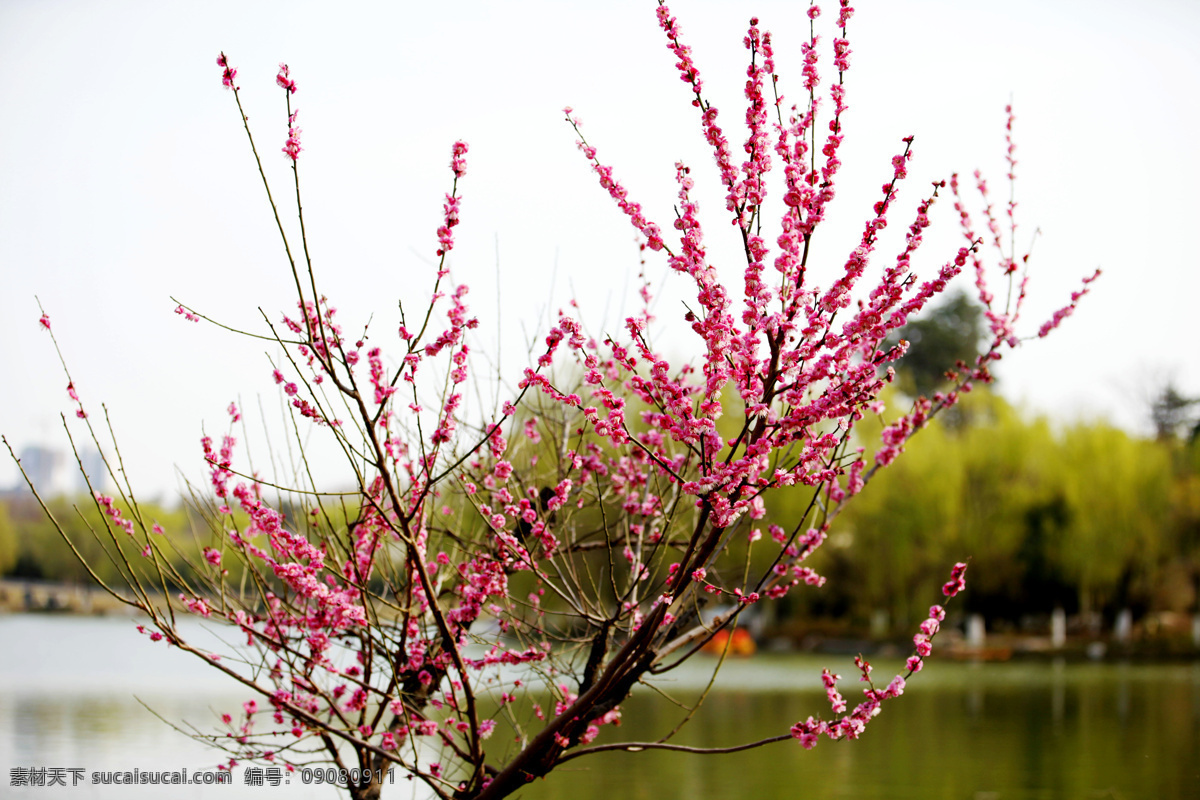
1081 516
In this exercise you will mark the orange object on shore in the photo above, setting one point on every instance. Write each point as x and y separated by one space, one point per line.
740 643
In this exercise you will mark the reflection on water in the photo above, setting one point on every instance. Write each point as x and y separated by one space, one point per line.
69 689
1033 730
83 692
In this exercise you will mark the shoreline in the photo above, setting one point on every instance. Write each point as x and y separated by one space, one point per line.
33 597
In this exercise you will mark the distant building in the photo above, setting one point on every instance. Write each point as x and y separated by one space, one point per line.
46 469
55 473
97 473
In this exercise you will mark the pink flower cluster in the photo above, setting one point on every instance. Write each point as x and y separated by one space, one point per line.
458 162
320 594
1003 321
923 641
482 578
109 507
797 373
378 379
79 412
228 73
852 725
291 148
285 80
299 564
1068 309
956 582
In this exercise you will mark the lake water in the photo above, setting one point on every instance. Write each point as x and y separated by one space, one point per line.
72 692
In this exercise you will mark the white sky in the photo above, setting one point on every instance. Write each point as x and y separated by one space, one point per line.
125 178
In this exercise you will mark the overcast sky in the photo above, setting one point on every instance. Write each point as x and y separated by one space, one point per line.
126 179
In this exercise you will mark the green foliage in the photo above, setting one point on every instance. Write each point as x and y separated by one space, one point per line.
1087 518
42 553
950 332
1118 488
1173 414
8 541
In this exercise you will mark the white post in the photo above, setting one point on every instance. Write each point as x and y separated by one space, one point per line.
1123 626
879 622
1058 628
975 630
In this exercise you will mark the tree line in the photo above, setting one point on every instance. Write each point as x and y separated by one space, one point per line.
1082 516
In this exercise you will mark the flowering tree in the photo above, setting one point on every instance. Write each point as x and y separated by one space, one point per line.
524 572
